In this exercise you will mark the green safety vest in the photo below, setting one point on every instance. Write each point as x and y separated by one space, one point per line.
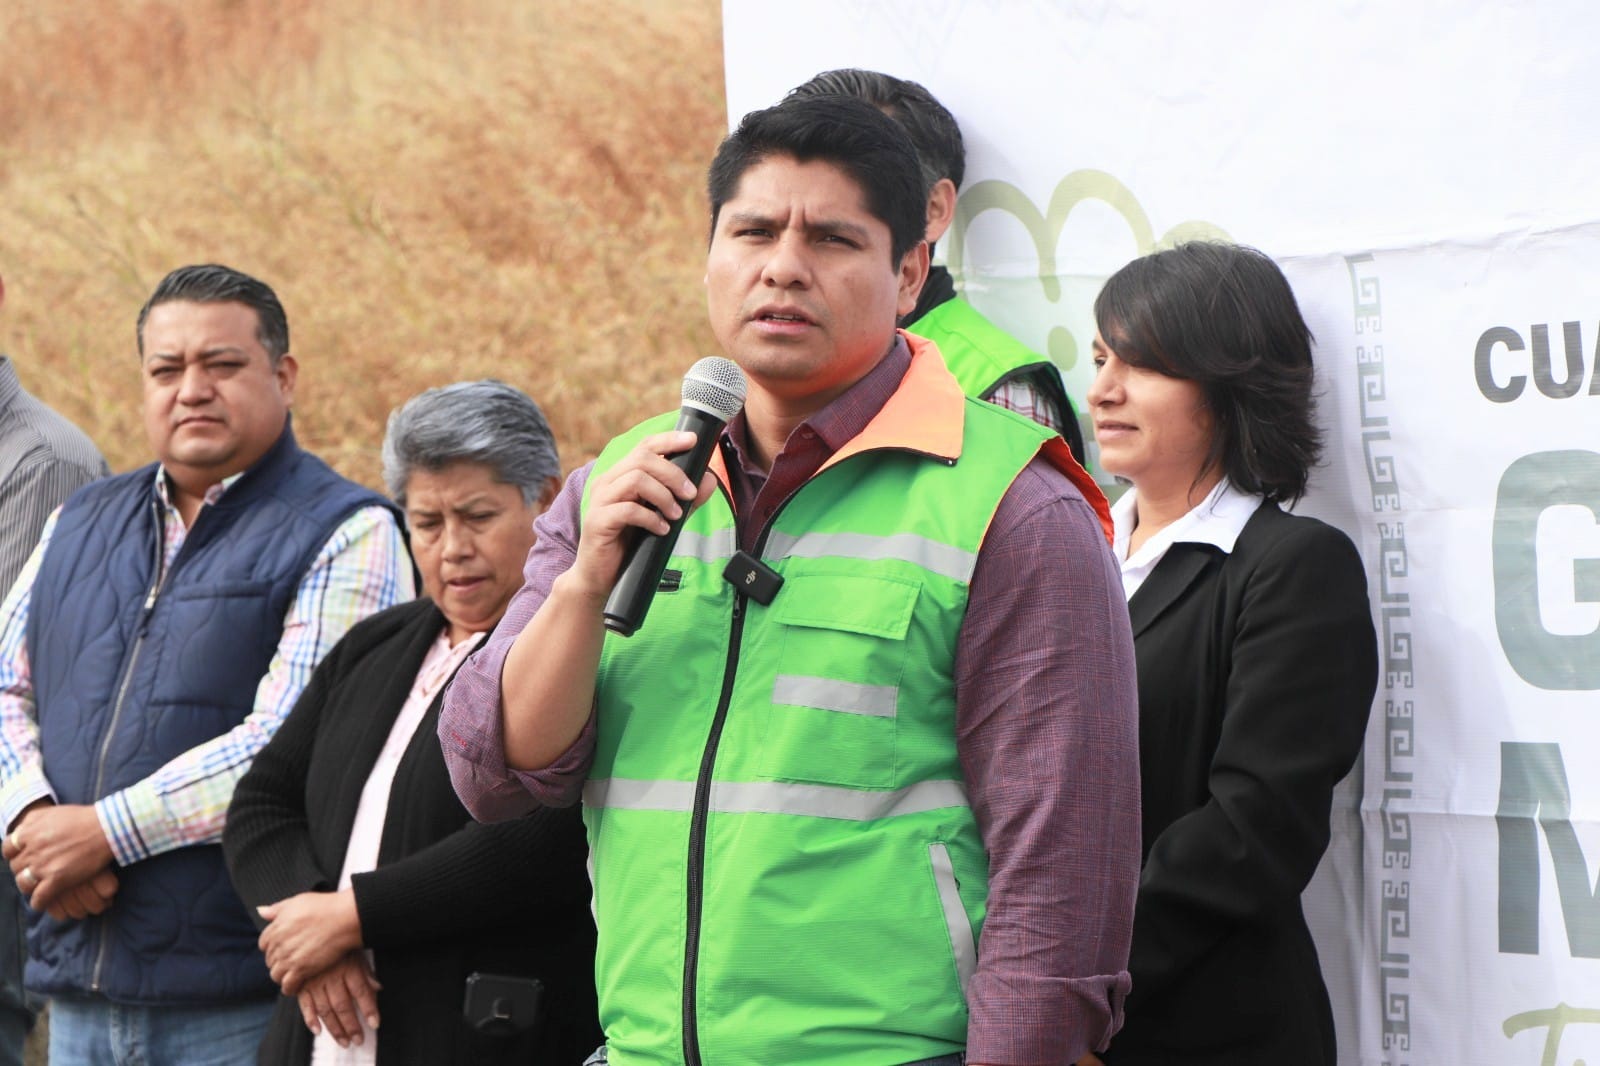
983 356
786 867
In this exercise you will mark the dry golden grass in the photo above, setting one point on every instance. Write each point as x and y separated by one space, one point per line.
438 191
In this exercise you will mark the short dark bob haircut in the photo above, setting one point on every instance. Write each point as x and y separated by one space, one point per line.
849 133
211 283
1224 317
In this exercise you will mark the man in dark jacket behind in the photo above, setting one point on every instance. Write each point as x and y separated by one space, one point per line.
159 633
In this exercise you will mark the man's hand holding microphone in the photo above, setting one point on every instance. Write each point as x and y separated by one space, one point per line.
635 512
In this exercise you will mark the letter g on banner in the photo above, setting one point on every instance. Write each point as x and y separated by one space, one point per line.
1530 489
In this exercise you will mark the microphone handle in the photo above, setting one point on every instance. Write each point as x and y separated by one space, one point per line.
641 572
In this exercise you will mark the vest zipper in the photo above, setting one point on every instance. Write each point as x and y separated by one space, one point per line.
697 840
702 803
145 611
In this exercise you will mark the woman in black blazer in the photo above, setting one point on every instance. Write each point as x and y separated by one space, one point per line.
1256 654
378 892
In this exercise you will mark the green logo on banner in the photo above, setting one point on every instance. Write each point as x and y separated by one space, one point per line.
1045 228
1555 1019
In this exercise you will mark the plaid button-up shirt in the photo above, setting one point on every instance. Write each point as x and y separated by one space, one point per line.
362 569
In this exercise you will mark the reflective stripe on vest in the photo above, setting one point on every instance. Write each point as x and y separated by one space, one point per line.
846 697
943 559
776 797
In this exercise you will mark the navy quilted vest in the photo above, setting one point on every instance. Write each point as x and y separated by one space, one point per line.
125 679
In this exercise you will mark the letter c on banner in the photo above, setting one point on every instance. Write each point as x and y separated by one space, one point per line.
1485 373
1530 487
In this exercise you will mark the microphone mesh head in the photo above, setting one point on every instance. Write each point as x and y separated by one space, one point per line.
716 386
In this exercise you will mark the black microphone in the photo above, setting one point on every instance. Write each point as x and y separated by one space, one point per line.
713 392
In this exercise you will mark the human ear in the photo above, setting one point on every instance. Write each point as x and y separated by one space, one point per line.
913 272
941 208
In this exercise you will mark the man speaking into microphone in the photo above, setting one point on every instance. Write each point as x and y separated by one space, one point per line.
862 787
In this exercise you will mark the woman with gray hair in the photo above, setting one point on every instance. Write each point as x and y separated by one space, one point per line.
382 900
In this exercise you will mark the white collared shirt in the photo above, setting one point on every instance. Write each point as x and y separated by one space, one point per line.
1217 520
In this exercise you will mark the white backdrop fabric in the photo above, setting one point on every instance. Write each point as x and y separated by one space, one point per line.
1428 176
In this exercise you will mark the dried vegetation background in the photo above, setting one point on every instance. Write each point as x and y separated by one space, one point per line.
438 191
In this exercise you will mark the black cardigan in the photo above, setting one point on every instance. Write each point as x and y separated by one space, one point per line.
449 896
1256 674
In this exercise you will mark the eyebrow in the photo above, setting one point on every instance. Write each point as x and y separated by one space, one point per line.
224 349
483 499
821 225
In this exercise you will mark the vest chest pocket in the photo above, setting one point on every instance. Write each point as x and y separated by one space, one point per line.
218 639
833 718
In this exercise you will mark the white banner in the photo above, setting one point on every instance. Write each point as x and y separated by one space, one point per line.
1429 178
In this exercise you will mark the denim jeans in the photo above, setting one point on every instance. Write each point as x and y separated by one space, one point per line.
95 1032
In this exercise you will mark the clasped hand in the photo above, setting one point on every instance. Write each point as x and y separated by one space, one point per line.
339 998
313 947
61 861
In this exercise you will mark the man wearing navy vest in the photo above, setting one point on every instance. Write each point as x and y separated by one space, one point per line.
153 642
878 804
990 363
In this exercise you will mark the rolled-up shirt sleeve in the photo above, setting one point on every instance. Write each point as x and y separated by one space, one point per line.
471 731
1047 730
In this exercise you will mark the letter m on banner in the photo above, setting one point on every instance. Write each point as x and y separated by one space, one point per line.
1533 786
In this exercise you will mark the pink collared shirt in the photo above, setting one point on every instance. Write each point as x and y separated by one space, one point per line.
366 832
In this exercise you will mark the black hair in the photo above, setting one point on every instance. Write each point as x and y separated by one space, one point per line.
210 283
1224 317
941 153
850 134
